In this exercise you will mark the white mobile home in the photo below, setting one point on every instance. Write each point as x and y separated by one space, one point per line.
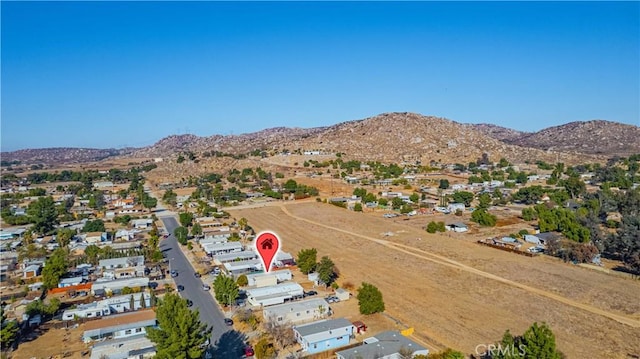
123 262
297 312
91 310
240 267
222 248
276 294
235 256
256 279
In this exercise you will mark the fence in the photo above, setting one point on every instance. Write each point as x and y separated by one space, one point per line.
507 249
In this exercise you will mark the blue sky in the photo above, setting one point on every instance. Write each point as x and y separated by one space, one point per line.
113 74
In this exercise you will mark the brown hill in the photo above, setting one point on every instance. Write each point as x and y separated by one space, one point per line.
409 136
590 137
60 155
235 144
497 132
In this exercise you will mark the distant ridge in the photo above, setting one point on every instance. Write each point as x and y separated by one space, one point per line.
596 137
59 155
389 137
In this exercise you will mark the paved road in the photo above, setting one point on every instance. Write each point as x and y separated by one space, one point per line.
227 343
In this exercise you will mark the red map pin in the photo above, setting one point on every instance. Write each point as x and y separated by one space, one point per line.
267 245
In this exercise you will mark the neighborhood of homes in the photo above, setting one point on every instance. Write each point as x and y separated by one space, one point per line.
120 290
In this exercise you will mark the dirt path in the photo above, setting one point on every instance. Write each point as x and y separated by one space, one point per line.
457 265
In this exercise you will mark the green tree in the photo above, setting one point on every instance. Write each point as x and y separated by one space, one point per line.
484 218
264 349
432 227
414 197
357 207
462 197
142 302
484 201
94 226
43 214
326 270
196 230
540 343
396 203
574 186
370 299
9 330
169 197
444 184
64 236
307 260
149 202
226 290
290 186
186 218
54 268
242 223
242 280
181 234
383 202
92 252
179 334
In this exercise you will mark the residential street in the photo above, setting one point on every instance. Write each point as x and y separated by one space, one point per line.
227 342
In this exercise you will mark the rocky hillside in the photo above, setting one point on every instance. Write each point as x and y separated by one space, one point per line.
590 137
235 144
66 155
409 136
389 137
498 132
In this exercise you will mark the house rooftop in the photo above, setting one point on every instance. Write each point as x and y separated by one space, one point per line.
294 307
382 345
121 319
122 348
322 326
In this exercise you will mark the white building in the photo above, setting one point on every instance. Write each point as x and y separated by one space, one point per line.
241 267
221 248
119 326
297 312
275 294
123 262
91 310
135 347
235 256
275 277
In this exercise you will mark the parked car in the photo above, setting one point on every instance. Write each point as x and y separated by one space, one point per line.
248 351
206 287
310 293
180 288
228 321
332 299
196 274
174 273
189 303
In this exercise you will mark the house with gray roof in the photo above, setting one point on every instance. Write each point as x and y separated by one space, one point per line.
297 312
323 335
386 345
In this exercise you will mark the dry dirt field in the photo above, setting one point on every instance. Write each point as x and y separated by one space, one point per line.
457 293
54 343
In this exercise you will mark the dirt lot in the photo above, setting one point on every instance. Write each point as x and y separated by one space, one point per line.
54 343
458 293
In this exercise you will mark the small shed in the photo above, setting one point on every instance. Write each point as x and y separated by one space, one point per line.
360 327
343 294
314 277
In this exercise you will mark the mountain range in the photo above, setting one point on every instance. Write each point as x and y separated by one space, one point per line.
388 137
